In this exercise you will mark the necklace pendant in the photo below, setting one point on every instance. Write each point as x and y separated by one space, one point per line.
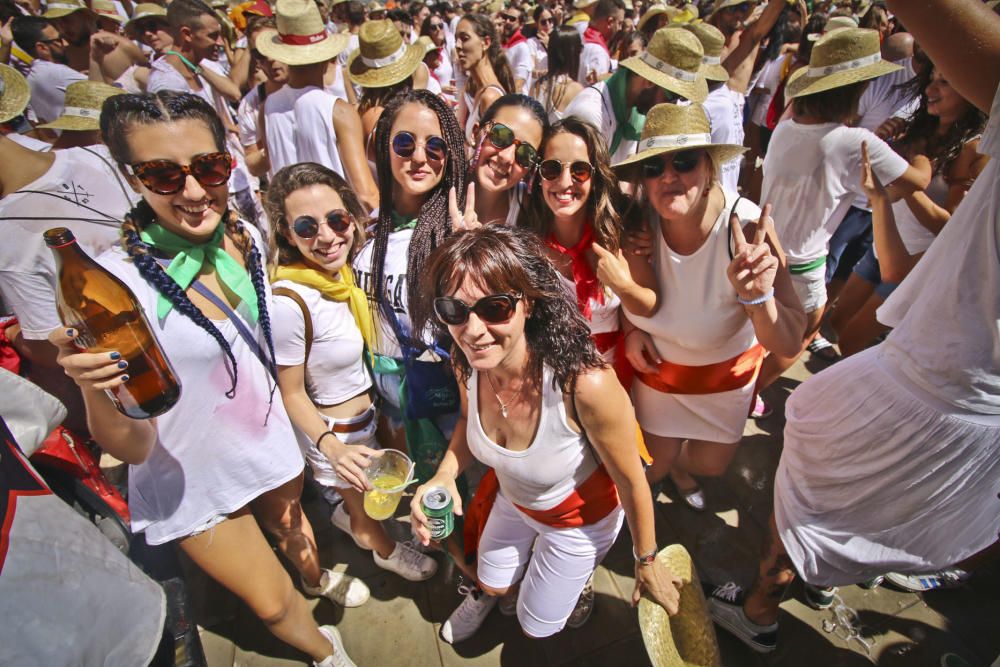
503 410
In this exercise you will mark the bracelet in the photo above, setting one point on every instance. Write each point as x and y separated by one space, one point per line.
194 68
763 298
323 435
644 559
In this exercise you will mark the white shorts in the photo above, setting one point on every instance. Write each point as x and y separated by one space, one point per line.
323 471
557 570
810 287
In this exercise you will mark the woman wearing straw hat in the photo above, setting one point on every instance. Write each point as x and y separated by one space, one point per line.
489 75
812 172
702 314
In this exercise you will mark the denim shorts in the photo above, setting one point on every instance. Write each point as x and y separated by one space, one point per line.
867 268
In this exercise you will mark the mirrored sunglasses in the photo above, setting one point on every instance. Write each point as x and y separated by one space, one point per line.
502 137
404 144
579 170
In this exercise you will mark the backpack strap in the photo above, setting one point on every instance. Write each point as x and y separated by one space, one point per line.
297 298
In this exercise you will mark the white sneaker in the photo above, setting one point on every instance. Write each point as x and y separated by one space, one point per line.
342 520
468 617
339 657
340 588
584 606
407 562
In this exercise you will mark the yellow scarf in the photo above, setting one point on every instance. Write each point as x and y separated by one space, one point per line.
335 290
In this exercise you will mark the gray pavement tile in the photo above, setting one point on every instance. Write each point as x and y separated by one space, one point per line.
915 636
219 649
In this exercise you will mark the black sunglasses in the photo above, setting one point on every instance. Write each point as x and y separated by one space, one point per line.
404 144
166 178
683 162
307 227
510 18
502 137
436 26
579 170
492 309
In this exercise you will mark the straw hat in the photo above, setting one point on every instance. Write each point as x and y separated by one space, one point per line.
840 58
382 58
375 6
82 110
672 61
838 22
146 9
689 13
722 4
428 44
14 93
653 12
301 37
106 9
672 127
713 41
688 638
61 8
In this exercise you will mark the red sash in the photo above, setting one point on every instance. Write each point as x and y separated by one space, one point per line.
591 36
515 39
727 375
587 285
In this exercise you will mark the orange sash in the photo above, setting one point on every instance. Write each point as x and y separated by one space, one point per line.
727 375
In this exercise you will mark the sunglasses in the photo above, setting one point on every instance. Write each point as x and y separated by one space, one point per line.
579 170
492 309
683 162
546 21
437 26
510 18
307 227
502 137
166 178
404 144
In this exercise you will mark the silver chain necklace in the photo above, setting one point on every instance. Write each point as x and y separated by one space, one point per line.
503 406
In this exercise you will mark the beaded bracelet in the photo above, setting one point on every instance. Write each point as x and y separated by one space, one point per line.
764 298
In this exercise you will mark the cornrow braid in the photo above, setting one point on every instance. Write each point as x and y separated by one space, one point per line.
434 221
138 218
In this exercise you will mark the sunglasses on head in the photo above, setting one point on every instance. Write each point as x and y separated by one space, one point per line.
502 137
166 178
404 144
683 162
492 309
307 227
579 170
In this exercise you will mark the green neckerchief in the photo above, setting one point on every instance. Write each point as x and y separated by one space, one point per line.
628 122
189 258
399 222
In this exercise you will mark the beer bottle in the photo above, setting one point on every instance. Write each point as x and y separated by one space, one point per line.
109 318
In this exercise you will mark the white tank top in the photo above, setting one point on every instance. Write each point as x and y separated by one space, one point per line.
338 87
915 236
699 321
603 316
558 460
279 125
315 138
473 118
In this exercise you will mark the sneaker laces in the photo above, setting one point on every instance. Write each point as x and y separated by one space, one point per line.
469 611
410 556
585 601
730 591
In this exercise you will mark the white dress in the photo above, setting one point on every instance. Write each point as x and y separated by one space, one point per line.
891 459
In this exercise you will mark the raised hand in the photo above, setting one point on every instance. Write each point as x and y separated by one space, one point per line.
754 266
612 268
467 219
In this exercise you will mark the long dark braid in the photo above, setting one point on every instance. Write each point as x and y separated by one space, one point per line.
434 221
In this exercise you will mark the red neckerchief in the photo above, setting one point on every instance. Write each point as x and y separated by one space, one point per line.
515 39
587 285
591 36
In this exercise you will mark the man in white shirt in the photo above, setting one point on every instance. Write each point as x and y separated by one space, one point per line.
49 75
515 47
595 59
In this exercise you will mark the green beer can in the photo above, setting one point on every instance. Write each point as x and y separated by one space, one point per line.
438 506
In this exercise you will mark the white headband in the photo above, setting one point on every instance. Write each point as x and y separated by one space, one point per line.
711 60
388 60
675 141
667 68
81 112
857 63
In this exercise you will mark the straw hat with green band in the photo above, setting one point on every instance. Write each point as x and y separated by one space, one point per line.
670 128
14 93
672 61
840 58
301 37
61 8
713 41
82 110
382 58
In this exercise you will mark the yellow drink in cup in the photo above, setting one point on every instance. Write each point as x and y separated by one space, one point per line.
389 474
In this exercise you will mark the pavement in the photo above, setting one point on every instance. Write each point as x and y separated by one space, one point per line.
399 625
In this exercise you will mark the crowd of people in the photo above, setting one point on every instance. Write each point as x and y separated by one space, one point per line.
557 253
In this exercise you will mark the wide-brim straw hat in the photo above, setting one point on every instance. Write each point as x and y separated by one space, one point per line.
653 12
686 639
713 41
382 58
145 10
428 44
14 94
840 58
838 22
722 4
672 61
673 127
61 8
106 9
82 110
301 37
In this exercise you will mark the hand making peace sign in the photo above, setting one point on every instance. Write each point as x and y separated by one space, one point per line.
461 221
754 266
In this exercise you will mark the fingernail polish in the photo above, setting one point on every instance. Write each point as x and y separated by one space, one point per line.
71 333
125 378
123 364
115 356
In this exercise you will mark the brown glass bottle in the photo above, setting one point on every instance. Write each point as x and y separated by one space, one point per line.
109 319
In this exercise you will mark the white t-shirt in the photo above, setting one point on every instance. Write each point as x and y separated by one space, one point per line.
724 108
593 60
946 314
882 99
766 85
48 82
521 63
279 125
335 372
593 104
78 185
247 115
812 173
315 138
396 263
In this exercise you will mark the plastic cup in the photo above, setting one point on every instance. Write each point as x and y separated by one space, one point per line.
389 475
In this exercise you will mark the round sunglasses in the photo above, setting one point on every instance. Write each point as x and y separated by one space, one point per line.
492 309
404 144
502 137
307 227
579 170
166 178
682 162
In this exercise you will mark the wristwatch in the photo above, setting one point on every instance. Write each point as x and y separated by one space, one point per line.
644 559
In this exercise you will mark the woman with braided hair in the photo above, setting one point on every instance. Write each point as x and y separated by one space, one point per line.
226 451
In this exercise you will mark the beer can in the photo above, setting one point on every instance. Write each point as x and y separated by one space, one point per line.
438 508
